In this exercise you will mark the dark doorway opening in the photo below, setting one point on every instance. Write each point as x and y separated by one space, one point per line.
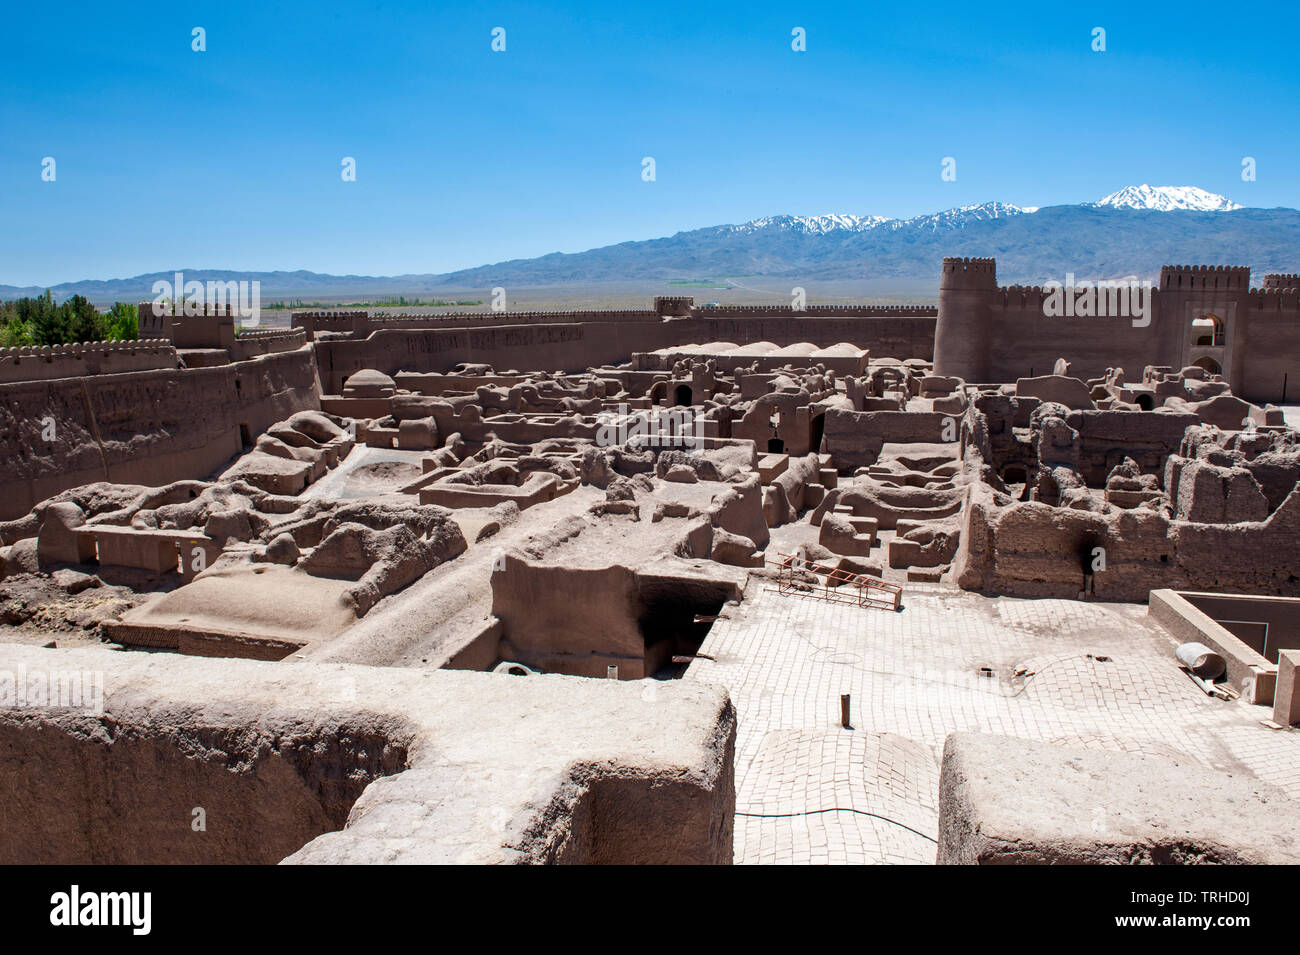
816 430
245 436
674 620
775 446
1015 479
1211 366
682 396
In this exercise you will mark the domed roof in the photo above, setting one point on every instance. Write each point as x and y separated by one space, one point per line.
369 383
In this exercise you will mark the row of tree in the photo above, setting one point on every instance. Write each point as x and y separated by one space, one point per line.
42 321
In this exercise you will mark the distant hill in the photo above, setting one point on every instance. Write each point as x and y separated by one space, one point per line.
1132 231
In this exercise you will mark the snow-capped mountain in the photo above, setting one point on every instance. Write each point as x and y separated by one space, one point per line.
1154 198
963 216
1132 231
815 225
948 219
1167 199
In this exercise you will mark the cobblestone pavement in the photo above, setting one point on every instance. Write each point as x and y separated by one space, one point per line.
1082 674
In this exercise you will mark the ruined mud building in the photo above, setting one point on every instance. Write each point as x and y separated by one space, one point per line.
582 493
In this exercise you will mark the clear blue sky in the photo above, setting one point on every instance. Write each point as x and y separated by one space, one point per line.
230 158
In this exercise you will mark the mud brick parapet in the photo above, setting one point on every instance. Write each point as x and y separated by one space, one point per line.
987 334
829 311
673 305
485 319
1212 277
330 321
48 362
214 327
969 273
269 341
1290 280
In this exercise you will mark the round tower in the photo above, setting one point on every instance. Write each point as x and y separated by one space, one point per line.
962 333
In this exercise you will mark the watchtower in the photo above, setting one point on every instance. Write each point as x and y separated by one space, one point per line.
962 334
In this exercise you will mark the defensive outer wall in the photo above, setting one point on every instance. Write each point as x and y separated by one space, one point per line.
194 395
988 333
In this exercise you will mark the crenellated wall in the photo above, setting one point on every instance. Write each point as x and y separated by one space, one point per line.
562 346
1268 346
991 334
815 311
518 340
47 362
1274 280
250 344
215 328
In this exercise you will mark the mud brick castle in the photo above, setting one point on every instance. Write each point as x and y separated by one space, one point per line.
681 584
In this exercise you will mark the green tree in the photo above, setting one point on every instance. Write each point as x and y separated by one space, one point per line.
123 322
85 324
14 332
49 321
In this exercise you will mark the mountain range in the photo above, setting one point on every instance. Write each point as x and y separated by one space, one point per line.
1130 232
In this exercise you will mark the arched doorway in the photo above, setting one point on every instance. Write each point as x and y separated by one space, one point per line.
682 396
1207 331
775 446
1211 366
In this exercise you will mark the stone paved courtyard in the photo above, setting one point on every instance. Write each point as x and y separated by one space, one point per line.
1084 674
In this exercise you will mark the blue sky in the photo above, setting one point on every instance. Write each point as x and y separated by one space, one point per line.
230 158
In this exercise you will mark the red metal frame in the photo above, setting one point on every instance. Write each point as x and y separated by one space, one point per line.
839 586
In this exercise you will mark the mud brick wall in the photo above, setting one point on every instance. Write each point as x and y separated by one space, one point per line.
148 427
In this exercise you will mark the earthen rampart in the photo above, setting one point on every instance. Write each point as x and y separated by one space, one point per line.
49 362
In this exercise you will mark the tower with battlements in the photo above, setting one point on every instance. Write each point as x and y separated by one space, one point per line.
1205 315
964 334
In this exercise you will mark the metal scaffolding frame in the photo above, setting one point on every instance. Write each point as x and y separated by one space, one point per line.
838 586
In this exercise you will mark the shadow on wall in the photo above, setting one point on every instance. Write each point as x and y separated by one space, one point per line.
136 798
581 621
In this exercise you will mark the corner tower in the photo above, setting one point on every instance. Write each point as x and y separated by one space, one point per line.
962 333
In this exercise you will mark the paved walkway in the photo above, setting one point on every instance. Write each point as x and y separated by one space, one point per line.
1083 674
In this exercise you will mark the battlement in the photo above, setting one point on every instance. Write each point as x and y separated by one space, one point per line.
1183 278
1274 300
212 327
46 362
968 273
270 341
1022 296
463 319
152 345
327 316
812 311
674 304
1276 280
269 333
168 311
